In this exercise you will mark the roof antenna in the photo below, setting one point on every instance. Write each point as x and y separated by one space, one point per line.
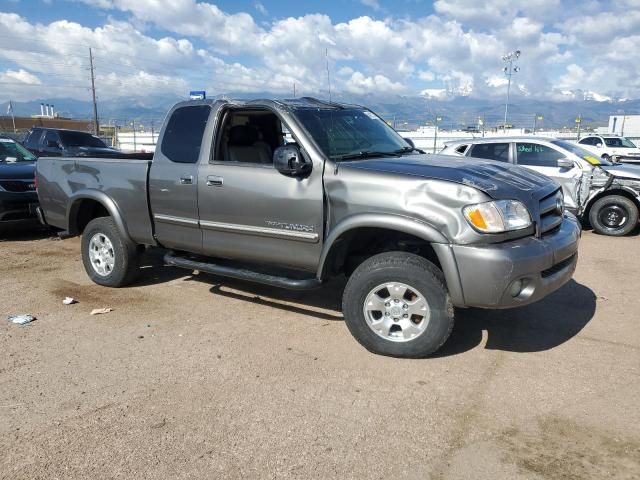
326 56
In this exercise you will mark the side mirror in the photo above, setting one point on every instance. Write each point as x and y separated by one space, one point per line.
410 142
53 144
598 145
288 161
565 163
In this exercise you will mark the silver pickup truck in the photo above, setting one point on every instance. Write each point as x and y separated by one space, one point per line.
292 193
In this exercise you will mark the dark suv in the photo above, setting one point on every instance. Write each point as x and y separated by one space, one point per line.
18 197
57 142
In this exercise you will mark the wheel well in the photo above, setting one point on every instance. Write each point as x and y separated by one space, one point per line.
606 193
355 246
83 212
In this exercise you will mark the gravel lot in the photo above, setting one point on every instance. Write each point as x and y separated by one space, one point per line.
192 376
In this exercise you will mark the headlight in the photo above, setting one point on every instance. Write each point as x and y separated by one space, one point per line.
499 216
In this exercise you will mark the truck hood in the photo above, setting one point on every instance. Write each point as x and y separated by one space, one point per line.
497 179
17 170
623 171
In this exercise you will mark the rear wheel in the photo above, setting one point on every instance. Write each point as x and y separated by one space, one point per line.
613 215
108 258
396 304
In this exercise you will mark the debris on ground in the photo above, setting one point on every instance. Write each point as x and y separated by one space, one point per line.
21 319
99 311
69 301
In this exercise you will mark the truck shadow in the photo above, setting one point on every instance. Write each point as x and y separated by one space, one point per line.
532 328
325 303
24 231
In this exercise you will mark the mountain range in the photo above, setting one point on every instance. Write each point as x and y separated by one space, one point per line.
405 111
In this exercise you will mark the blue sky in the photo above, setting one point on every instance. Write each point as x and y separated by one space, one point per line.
570 49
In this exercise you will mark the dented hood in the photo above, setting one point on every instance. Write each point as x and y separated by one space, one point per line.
631 172
497 179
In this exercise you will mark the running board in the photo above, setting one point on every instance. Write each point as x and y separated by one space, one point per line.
242 274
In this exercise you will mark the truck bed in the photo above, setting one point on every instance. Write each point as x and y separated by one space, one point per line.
119 183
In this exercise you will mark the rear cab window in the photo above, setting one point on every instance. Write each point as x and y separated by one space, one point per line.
184 133
491 151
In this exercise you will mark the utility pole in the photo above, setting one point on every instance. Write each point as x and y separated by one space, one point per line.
96 127
153 140
133 124
509 70
294 89
579 122
326 57
435 133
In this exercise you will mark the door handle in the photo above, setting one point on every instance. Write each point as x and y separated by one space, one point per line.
213 181
186 180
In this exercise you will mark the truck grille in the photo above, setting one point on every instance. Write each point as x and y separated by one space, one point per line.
551 211
17 186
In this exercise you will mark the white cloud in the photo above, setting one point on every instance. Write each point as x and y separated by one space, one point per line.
375 4
457 49
261 8
20 76
358 83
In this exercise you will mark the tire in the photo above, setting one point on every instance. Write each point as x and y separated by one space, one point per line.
109 259
605 156
418 285
613 215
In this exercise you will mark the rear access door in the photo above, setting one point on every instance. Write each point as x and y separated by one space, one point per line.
173 186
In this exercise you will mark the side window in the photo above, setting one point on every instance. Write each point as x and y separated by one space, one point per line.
34 136
50 136
183 134
250 137
461 149
491 151
537 155
586 141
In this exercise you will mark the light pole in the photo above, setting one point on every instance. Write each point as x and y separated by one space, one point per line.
509 69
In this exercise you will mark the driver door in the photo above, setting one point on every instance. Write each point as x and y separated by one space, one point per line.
251 212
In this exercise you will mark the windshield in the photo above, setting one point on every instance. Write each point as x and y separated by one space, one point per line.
345 132
618 142
11 151
81 139
582 153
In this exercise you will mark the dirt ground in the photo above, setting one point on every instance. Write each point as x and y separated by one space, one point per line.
192 376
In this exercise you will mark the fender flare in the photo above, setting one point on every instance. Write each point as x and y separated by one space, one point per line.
103 199
387 221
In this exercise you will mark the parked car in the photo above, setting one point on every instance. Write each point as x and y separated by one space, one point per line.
57 142
604 194
414 233
18 197
611 147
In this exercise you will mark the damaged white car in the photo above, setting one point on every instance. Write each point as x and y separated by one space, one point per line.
604 194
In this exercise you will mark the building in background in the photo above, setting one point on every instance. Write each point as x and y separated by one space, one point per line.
625 125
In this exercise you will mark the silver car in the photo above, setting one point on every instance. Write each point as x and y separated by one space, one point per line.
604 194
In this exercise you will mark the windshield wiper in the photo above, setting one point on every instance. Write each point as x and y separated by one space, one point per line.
408 150
366 154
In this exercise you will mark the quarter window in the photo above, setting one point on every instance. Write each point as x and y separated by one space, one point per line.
491 151
537 155
183 135
461 149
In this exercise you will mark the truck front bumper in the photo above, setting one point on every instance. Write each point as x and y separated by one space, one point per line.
513 273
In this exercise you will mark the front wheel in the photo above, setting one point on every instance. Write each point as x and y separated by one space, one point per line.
397 304
108 258
613 215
